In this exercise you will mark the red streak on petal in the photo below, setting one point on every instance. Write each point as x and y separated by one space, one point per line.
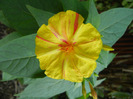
60 45
76 23
64 41
55 34
54 31
45 40
74 43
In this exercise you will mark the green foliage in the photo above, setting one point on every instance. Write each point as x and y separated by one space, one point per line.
93 17
76 90
45 88
3 19
9 38
18 57
40 15
105 58
19 17
114 23
127 3
75 5
6 76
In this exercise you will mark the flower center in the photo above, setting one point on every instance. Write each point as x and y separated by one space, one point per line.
67 47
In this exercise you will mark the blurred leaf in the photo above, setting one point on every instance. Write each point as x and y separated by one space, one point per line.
45 88
76 91
114 23
18 57
70 4
96 75
9 37
98 82
121 95
93 17
76 6
7 77
3 19
20 18
40 15
100 92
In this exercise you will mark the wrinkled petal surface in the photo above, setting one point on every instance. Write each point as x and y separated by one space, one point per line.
72 68
88 42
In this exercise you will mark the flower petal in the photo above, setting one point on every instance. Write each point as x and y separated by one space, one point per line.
86 34
43 47
63 70
86 66
48 58
45 52
89 50
72 68
71 71
46 35
88 42
46 46
65 24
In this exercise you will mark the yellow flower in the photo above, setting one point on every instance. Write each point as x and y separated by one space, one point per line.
67 48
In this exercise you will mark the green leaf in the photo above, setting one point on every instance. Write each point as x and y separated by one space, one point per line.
20 18
114 23
3 19
18 57
69 4
40 15
10 37
32 98
105 58
98 82
76 6
99 68
7 77
92 79
93 17
76 90
27 81
46 88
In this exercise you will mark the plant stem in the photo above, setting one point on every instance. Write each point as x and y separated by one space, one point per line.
83 89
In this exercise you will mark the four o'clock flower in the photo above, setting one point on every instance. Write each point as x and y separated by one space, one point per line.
67 48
